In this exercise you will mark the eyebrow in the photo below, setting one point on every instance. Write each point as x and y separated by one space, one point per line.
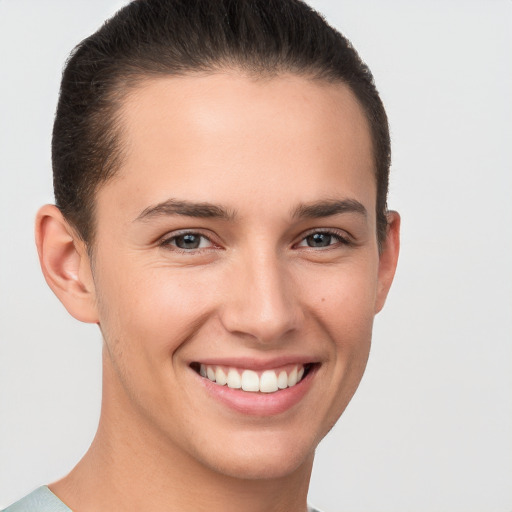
327 208
204 210
201 210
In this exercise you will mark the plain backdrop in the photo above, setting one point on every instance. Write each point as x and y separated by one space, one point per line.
430 428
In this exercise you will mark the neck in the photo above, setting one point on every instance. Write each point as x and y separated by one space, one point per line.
132 467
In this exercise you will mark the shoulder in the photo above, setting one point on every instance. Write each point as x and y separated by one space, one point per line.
43 500
40 500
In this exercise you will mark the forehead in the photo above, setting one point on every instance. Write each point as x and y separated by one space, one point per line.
204 135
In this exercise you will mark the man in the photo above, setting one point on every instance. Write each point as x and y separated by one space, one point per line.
220 173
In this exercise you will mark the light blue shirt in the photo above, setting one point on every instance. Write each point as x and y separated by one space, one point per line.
40 500
43 500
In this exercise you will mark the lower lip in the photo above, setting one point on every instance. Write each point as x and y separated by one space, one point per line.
259 404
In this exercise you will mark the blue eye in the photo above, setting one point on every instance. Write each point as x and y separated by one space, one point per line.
320 239
188 241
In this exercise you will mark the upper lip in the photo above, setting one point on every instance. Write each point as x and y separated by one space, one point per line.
256 364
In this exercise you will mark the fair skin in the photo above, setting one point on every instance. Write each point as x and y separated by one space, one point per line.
273 182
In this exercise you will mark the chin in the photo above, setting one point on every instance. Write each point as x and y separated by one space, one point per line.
269 457
264 468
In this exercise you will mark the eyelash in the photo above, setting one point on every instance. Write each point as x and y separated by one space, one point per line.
171 242
340 238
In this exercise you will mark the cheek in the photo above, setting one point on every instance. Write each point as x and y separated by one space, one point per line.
345 296
151 309
345 310
146 315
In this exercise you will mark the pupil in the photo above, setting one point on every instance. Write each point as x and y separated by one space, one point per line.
188 241
319 240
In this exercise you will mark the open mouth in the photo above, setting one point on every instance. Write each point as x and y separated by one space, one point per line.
266 381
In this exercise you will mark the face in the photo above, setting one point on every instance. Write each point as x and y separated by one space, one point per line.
236 267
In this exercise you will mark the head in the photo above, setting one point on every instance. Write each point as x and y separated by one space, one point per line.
221 172
161 38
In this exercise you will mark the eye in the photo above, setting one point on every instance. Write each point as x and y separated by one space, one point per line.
321 239
188 241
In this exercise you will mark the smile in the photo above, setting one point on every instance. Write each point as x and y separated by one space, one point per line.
267 381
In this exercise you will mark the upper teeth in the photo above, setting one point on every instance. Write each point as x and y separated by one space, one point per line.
267 381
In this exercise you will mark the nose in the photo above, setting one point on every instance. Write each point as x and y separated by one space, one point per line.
262 303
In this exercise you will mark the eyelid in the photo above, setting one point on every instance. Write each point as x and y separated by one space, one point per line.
165 241
342 236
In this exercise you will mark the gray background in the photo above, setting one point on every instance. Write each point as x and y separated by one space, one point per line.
430 428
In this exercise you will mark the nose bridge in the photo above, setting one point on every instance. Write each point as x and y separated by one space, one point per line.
263 304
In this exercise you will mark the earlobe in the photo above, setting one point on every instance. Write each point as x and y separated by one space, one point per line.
65 264
388 259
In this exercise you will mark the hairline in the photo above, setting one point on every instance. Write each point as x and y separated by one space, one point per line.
134 78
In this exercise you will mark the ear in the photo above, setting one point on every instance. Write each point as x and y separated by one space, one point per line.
388 259
65 264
